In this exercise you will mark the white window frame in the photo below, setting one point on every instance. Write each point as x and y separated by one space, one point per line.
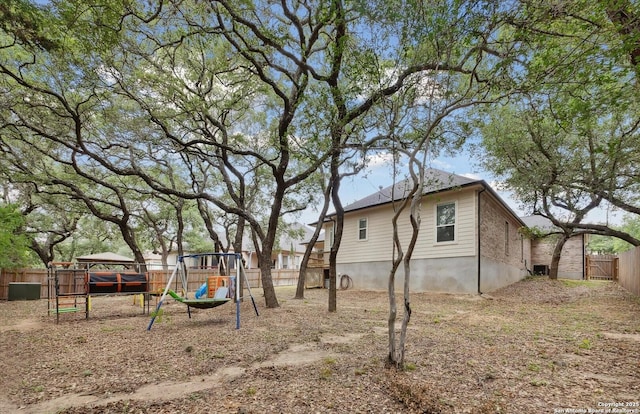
365 229
454 224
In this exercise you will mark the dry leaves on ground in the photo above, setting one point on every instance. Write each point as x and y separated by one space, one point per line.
535 346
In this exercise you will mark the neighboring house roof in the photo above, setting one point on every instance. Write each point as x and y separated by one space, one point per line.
435 181
302 235
106 257
320 238
539 222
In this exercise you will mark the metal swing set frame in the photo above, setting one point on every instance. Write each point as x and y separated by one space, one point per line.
223 294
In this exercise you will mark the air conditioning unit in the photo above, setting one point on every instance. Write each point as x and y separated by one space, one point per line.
541 269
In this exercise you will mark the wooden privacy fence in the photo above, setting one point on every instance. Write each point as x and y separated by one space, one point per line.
629 270
601 267
157 279
22 276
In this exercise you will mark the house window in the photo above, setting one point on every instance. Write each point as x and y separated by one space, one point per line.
506 238
362 229
285 262
445 222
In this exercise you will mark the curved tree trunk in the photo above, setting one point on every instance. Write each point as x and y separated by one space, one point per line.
555 258
337 237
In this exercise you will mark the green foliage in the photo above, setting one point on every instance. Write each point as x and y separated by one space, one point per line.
611 245
570 141
27 23
13 244
158 314
585 344
534 232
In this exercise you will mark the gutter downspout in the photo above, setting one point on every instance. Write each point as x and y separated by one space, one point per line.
479 220
584 258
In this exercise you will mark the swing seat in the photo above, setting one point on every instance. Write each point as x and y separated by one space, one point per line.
199 303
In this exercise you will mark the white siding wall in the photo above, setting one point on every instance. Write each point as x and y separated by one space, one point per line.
378 245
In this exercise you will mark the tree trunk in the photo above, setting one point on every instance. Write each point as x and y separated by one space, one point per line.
237 248
397 258
270 299
555 258
180 233
337 233
307 254
129 238
45 253
414 218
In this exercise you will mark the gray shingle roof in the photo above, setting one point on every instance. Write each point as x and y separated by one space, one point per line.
435 180
540 222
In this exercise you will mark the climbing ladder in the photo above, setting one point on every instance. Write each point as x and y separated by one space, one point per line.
66 290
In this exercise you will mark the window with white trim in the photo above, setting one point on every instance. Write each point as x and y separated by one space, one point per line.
362 228
446 222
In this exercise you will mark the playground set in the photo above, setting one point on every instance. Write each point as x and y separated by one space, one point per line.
216 291
70 286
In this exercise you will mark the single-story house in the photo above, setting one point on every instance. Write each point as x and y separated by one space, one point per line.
469 239
573 256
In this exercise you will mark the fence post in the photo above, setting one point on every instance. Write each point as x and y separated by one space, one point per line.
588 267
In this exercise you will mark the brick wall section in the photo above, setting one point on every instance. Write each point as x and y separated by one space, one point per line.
571 260
493 219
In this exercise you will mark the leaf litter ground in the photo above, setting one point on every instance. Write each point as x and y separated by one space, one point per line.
536 346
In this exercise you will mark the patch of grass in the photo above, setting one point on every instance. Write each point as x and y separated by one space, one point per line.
585 344
38 388
251 391
533 367
87 373
195 396
360 371
329 360
587 283
326 373
158 314
538 383
410 366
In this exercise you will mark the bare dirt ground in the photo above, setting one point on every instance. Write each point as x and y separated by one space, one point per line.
538 346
